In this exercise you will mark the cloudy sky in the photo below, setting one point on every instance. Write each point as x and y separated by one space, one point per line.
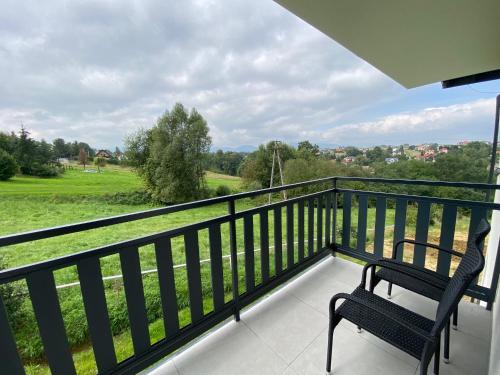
98 70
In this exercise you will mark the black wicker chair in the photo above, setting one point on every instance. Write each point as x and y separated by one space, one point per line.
416 335
434 285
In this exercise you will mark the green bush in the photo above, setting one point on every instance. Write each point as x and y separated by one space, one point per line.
222 190
8 166
44 170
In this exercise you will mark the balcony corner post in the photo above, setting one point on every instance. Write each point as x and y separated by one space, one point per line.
334 219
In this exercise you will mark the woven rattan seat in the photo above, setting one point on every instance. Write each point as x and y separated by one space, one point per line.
375 323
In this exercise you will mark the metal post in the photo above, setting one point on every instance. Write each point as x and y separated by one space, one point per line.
334 220
234 255
494 150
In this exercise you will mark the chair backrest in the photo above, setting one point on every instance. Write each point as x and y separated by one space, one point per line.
470 267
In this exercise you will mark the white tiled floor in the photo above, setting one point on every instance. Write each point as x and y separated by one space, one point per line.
285 334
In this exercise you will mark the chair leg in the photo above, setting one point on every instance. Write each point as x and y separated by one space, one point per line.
437 357
331 328
446 355
455 319
389 291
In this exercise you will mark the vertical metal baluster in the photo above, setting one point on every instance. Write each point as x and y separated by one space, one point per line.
301 228
216 266
447 236
310 227
362 220
289 236
400 225
249 253
96 310
421 232
43 294
136 303
278 256
319 224
234 259
346 220
166 279
194 275
379 227
10 362
264 245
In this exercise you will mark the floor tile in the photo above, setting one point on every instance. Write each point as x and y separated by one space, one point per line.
285 324
352 355
233 349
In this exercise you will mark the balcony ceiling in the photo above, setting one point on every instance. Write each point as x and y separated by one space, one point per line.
413 42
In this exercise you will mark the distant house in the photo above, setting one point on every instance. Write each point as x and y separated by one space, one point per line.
348 159
443 150
104 154
391 160
63 161
429 155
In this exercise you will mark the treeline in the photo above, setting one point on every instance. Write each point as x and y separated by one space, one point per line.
20 153
225 162
468 163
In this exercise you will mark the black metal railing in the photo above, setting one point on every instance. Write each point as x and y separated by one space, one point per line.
303 230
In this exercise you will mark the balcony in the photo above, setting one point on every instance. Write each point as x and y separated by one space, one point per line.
230 264
285 333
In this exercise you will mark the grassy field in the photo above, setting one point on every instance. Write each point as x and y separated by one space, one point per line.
74 182
29 203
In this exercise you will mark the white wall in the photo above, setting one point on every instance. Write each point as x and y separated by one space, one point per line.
493 242
495 338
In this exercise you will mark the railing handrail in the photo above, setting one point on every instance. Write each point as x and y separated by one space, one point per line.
39 234
469 185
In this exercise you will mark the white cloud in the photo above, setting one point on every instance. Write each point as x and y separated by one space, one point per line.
457 121
96 71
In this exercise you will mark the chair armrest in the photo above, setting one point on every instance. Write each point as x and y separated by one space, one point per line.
416 330
416 268
393 267
426 244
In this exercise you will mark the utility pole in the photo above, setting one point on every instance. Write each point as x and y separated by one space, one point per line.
276 158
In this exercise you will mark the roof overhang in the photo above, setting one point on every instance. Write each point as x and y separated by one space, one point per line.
414 42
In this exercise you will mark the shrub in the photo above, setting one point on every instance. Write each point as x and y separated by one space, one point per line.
44 170
222 190
8 166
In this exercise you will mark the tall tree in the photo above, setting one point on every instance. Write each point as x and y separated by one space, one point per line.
61 149
170 156
25 151
256 168
306 150
82 157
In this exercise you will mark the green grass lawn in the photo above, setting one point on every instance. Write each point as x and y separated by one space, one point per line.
216 179
75 181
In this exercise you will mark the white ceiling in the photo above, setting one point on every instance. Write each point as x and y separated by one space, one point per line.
415 42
